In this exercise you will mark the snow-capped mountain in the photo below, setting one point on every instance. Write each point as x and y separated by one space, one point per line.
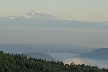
40 16
34 15
38 19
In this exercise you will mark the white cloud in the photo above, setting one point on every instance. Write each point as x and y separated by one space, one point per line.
99 63
75 60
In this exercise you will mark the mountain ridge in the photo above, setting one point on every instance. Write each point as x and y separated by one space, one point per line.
35 19
100 54
32 14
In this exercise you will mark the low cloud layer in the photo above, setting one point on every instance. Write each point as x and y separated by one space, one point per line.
75 60
68 58
99 63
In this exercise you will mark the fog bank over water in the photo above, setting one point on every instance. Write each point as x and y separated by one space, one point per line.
77 59
92 62
82 37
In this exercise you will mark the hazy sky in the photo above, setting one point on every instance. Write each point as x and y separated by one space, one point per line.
86 10
91 38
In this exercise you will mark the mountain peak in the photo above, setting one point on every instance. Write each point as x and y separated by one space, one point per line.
35 12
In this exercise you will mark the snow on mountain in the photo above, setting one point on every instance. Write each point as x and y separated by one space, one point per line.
35 12
34 15
13 17
39 16
38 19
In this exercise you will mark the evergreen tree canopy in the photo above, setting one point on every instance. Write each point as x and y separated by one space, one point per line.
20 63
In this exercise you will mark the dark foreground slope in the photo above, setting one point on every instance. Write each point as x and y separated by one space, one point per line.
100 54
20 63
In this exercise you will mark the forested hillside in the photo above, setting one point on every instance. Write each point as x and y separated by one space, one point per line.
40 56
20 63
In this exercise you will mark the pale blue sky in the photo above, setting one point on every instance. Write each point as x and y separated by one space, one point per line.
83 10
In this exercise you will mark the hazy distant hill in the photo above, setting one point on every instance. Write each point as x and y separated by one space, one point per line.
44 48
40 56
101 54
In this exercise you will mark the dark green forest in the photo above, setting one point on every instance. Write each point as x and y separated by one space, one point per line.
20 63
